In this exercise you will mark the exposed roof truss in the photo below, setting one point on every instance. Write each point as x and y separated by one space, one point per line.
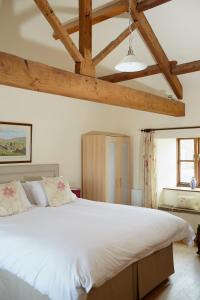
85 63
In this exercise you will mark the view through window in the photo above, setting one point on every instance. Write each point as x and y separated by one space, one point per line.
188 154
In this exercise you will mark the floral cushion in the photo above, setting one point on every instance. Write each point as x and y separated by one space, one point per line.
11 201
57 191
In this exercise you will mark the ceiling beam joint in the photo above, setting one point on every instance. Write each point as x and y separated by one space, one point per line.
86 67
105 12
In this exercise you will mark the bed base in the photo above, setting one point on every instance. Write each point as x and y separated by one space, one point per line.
133 283
137 280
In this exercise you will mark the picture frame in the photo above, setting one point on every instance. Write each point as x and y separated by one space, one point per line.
15 142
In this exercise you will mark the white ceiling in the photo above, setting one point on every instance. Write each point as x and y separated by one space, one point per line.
176 24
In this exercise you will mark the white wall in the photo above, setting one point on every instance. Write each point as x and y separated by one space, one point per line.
58 123
166 164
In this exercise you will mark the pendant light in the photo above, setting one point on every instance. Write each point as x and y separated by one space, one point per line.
130 63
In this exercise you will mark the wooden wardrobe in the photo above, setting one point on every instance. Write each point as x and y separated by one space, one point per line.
106 167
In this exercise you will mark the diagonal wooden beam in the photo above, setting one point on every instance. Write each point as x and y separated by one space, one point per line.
112 45
22 73
154 46
112 9
123 76
85 67
190 67
148 4
52 19
185 68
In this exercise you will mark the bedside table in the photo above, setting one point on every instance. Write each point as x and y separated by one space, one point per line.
76 191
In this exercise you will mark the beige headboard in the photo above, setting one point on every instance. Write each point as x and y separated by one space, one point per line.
27 172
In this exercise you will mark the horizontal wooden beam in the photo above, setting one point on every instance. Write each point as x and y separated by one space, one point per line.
21 73
157 51
190 67
112 45
148 4
52 19
105 12
123 76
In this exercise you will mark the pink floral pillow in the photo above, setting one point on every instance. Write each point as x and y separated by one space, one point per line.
57 191
11 201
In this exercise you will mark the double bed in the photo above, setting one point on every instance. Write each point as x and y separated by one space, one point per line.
84 249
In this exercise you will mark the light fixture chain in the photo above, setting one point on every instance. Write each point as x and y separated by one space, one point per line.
130 51
130 62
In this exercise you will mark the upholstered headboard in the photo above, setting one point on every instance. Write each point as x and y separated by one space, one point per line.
27 172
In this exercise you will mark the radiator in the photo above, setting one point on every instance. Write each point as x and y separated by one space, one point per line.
137 197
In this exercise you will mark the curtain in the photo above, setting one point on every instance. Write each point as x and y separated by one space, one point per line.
149 169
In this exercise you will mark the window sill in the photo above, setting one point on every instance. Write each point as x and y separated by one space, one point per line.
180 210
182 188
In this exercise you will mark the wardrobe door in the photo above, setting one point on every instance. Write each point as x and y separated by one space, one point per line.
111 169
124 172
118 170
106 167
93 167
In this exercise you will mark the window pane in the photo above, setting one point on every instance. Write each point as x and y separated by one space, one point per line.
186 171
187 149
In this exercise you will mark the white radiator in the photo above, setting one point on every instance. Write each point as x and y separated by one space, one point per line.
137 197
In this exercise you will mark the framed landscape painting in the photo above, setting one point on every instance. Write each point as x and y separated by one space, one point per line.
15 142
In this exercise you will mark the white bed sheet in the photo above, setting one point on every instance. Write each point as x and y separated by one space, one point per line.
64 251
14 288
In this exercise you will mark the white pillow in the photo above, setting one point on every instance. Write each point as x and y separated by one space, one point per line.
35 192
24 197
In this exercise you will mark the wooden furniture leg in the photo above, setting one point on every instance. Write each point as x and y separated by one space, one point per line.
197 240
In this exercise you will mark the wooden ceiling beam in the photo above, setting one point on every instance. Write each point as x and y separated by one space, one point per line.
156 49
185 68
105 12
112 45
123 76
22 73
85 67
190 67
110 10
148 4
53 20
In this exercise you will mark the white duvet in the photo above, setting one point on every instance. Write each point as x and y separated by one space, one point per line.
66 250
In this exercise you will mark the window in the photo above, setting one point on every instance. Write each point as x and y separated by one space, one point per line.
188 165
